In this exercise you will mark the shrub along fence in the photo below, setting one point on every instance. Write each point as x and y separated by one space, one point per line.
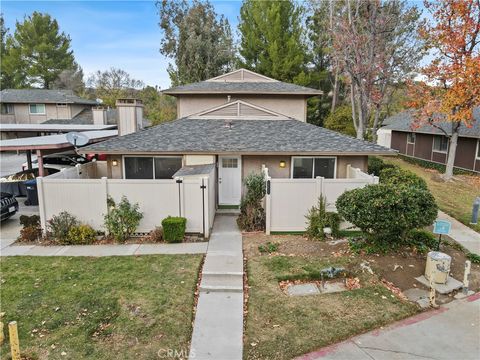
288 200
189 197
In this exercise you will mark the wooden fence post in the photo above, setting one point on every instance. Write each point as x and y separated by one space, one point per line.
14 343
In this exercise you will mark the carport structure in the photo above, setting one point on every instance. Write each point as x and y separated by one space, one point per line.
45 145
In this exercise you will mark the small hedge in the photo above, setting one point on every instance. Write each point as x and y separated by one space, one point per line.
174 229
398 177
376 165
81 235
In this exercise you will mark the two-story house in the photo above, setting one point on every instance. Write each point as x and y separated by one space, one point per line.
237 122
35 106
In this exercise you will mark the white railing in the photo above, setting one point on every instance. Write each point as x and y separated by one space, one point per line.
86 199
288 200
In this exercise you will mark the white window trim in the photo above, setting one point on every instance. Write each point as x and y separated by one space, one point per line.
415 138
440 151
153 165
477 157
37 113
313 165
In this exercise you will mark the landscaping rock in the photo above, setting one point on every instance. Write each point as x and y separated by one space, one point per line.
419 296
303 290
333 287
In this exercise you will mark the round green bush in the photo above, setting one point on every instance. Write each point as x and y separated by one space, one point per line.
81 235
398 177
376 165
385 213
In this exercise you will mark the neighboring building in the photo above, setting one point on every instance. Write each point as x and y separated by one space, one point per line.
240 122
35 106
430 143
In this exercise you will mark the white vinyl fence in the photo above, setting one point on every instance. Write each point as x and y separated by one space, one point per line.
86 198
288 200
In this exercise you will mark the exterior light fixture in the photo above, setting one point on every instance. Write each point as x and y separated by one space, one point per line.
114 162
283 164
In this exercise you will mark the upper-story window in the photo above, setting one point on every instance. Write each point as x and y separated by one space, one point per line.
440 143
37 109
7 109
411 138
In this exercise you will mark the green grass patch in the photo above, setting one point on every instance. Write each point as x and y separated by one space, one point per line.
100 308
279 326
454 197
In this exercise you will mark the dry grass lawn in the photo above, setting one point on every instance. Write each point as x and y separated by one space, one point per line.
455 197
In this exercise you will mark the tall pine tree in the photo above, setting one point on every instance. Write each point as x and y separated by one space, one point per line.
273 39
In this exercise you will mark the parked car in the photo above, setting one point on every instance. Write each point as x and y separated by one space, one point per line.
65 158
9 205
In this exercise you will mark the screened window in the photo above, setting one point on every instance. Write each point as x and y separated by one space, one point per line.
411 138
440 144
7 109
308 168
37 108
144 167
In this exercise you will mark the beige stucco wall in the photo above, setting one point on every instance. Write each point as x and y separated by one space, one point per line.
52 111
289 105
199 159
253 164
360 162
114 172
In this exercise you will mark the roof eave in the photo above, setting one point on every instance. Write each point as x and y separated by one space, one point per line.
246 92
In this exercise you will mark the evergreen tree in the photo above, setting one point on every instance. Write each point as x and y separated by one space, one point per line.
197 40
6 75
38 52
273 40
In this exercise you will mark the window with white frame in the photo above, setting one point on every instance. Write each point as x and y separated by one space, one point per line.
411 138
7 109
440 143
311 167
37 109
148 167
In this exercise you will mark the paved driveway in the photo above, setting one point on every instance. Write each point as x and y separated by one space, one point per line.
10 229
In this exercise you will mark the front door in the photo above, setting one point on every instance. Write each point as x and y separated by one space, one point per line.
229 180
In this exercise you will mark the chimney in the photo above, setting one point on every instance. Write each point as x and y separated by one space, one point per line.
130 116
99 115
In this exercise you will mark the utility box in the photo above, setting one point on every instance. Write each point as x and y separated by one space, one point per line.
439 263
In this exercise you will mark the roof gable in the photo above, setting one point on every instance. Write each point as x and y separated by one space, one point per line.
242 75
239 110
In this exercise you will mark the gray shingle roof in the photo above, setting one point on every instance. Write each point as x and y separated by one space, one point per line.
402 122
270 87
43 96
245 136
85 117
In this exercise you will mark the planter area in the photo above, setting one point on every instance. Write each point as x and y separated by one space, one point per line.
372 292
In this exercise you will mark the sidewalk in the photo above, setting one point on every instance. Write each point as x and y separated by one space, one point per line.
451 332
218 328
462 234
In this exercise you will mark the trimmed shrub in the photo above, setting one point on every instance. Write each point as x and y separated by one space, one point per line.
174 229
156 235
81 235
319 218
385 213
423 240
376 165
252 214
59 226
399 177
31 230
122 219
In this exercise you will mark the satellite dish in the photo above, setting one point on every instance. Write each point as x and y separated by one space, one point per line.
77 139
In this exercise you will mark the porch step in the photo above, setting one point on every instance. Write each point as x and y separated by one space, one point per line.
217 282
228 211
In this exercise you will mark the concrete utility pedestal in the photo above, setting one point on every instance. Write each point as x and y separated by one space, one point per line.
438 266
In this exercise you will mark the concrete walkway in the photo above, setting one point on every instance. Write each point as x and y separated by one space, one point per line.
104 250
451 332
462 234
218 328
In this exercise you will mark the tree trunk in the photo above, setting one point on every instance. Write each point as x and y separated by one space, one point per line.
354 110
335 90
361 119
452 149
375 123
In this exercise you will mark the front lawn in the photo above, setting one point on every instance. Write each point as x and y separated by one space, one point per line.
279 326
100 308
455 197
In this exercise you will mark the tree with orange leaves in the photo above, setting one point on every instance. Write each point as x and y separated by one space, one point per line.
445 99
